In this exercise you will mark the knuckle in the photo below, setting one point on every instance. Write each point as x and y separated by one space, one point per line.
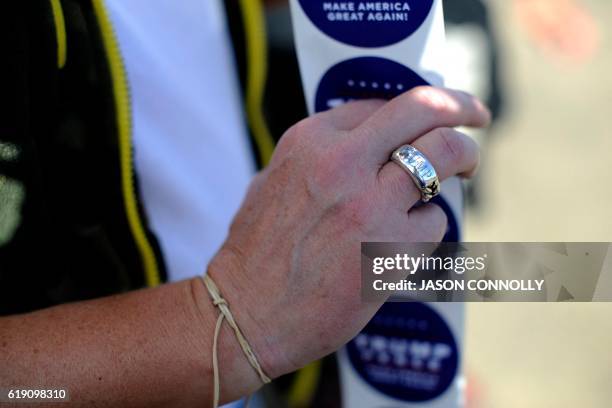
286 143
452 144
305 129
430 98
304 138
313 125
294 134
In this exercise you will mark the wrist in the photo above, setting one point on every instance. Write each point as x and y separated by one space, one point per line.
253 312
236 376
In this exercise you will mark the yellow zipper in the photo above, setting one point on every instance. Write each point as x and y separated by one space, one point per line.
304 385
255 39
124 121
60 32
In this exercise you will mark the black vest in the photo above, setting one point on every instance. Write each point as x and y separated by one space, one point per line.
71 223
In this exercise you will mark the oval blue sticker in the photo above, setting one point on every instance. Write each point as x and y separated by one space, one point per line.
407 352
364 78
366 23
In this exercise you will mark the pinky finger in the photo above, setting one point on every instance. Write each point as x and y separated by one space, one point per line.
428 223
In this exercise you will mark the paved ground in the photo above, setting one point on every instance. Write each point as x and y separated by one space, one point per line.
548 178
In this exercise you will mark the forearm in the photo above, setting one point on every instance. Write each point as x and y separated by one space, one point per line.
146 348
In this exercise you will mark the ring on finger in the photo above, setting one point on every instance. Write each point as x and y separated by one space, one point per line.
420 170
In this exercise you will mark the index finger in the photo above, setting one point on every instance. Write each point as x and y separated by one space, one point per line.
352 114
414 113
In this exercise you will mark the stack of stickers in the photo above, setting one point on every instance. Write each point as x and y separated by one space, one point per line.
409 354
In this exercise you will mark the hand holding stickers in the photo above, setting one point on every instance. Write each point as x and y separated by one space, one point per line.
351 50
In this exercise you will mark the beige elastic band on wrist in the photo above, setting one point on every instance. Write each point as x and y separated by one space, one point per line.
226 314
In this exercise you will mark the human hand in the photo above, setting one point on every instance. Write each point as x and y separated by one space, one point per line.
290 268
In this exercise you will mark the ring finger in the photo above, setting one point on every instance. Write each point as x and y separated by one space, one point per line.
449 151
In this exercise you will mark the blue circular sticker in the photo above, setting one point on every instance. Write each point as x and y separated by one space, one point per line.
366 23
407 352
364 78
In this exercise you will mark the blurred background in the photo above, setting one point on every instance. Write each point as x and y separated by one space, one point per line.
546 178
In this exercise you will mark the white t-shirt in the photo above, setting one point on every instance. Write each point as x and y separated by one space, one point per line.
191 151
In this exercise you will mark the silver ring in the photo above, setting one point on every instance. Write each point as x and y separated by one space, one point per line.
420 170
